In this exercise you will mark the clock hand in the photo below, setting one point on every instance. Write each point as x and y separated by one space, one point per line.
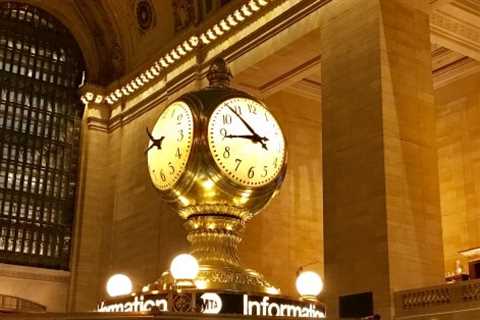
155 142
251 137
256 137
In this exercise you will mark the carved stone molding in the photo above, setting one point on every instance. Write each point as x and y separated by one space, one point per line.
31 273
457 26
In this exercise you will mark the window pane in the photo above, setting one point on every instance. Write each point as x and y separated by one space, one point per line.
39 127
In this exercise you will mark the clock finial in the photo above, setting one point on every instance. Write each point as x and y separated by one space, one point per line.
219 74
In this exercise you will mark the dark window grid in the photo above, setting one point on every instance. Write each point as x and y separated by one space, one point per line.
53 123
21 154
24 67
8 80
14 235
11 169
32 31
25 143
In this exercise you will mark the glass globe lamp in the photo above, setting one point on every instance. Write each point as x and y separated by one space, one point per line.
119 285
309 285
184 269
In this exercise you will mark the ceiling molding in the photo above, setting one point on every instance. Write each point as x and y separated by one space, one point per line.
457 26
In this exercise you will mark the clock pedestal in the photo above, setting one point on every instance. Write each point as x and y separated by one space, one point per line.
214 239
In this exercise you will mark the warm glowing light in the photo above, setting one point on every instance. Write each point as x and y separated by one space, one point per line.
204 38
309 284
201 284
273 290
224 25
211 35
231 20
174 54
218 30
208 184
118 93
169 58
89 96
184 267
238 15
98 98
181 50
253 5
119 285
193 41
163 63
246 10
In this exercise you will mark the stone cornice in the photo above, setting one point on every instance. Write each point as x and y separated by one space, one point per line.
454 30
23 272
190 72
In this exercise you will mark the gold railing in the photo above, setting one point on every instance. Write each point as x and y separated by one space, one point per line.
447 298
16 304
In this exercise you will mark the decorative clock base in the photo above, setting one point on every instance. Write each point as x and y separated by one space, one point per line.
215 240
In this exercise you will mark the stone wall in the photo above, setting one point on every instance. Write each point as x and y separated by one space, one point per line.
458 139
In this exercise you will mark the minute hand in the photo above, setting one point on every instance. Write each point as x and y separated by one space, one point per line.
258 138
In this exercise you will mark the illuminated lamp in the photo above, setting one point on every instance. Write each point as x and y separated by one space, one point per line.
119 285
309 284
184 269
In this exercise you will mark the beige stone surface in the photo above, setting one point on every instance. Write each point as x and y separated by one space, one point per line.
458 138
381 203
289 232
46 287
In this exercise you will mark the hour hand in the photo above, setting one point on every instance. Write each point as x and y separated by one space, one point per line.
155 142
251 137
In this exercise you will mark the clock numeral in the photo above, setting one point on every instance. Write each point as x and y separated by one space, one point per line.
265 172
227 119
181 136
162 176
173 113
179 119
172 168
275 163
252 109
266 117
178 153
223 132
238 109
251 172
226 153
238 161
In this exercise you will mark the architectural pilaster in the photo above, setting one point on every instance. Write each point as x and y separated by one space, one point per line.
93 212
381 200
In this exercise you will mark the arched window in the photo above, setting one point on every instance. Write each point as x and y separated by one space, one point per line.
41 67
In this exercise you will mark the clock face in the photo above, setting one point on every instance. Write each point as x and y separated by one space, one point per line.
246 142
169 150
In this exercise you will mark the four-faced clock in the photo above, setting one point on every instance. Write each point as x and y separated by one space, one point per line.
170 145
246 142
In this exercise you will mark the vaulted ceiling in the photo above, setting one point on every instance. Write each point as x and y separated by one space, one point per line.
114 44
108 33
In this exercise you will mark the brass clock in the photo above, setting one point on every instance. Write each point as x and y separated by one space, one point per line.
217 156
168 153
246 142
